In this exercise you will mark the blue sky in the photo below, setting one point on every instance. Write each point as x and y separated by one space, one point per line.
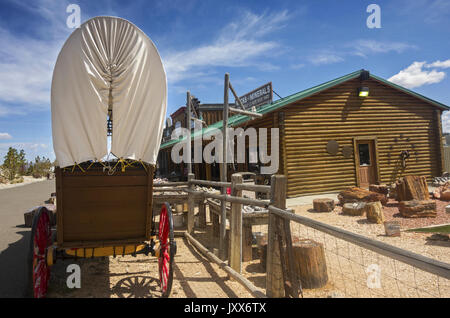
294 44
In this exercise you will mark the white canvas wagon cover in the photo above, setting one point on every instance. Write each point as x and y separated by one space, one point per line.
108 62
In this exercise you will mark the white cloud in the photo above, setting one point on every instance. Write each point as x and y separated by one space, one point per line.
4 136
240 43
429 11
439 64
364 47
31 149
446 121
25 72
361 47
415 75
325 58
26 61
297 66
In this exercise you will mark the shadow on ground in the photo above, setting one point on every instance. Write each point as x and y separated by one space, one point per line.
202 261
14 268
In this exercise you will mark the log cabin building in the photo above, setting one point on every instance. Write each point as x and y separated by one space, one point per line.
356 130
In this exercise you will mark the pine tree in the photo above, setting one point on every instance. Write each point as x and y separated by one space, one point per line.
13 162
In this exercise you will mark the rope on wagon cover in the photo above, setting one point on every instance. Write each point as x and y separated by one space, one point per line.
145 168
77 165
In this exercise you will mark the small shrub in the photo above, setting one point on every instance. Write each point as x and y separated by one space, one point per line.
17 180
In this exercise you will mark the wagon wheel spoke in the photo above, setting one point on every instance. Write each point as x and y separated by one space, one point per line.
41 239
167 251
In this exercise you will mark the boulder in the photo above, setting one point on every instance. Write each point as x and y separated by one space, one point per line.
379 188
323 205
417 209
412 188
445 195
374 212
354 209
392 228
393 191
355 194
442 192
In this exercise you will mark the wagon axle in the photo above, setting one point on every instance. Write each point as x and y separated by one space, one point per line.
53 253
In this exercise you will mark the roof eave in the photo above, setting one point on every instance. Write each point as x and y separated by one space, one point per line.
410 92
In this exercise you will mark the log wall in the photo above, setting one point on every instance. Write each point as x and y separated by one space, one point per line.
212 116
270 120
398 121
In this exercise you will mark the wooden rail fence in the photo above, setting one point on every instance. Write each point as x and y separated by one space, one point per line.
281 276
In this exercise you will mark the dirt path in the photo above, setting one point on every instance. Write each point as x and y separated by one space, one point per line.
127 276
14 237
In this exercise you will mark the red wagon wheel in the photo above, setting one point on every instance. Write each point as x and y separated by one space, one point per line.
41 239
167 249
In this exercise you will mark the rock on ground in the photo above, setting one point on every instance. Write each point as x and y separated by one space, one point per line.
417 209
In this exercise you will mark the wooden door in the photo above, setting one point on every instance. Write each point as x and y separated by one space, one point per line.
366 162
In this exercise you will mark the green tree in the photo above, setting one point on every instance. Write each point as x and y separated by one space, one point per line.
13 163
22 163
41 167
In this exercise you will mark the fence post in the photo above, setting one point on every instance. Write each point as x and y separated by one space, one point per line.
188 119
223 171
274 279
191 206
202 214
235 259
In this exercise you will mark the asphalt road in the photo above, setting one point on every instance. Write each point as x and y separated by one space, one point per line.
14 236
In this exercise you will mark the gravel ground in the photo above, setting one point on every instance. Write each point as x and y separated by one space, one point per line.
419 243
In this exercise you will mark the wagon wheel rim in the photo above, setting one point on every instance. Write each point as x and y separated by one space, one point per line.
41 240
166 252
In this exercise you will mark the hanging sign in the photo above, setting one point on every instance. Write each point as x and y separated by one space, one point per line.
260 96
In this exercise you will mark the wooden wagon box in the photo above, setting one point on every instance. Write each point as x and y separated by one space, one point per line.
94 206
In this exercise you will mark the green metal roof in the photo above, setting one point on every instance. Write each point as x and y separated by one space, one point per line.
237 120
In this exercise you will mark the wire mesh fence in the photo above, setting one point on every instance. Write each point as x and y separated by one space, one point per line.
355 271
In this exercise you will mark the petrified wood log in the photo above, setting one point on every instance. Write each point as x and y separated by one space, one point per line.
355 194
412 188
379 188
310 263
323 205
374 212
354 209
417 209
442 192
